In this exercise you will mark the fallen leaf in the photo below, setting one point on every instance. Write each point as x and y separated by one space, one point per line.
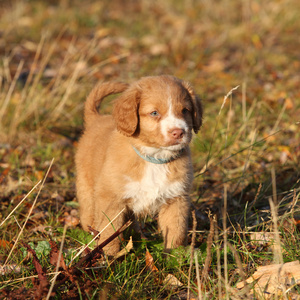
158 49
289 103
74 212
28 161
11 268
38 215
272 279
10 185
71 221
284 154
262 238
42 228
125 250
4 172
41 287
103 32
57 197
150 262
256 41
54 255
4 244
289 226
172 281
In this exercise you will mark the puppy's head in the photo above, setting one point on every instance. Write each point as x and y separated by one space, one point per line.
160 112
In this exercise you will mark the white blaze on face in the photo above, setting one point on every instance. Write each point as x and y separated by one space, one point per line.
170 122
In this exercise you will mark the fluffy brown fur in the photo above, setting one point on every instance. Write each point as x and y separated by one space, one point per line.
156 115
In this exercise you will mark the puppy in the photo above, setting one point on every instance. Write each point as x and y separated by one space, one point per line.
137 160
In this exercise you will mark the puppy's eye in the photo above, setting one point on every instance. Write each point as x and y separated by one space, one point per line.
185 111
154 114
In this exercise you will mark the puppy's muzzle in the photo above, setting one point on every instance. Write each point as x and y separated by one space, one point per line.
176 134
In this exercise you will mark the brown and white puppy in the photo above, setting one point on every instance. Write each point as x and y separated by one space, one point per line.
138 159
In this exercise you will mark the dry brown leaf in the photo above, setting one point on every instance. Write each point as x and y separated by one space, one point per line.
41 285
158 49
172 281
4 244
289 225
125 250
10 268
55 257
150 262
274 279
5 172
28 161
39 174
289 103
38 215
102 32
70 220
262 238
42 228
10 185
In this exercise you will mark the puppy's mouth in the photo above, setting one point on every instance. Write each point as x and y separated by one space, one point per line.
176 147
177 143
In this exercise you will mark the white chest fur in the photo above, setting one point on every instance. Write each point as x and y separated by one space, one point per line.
153 189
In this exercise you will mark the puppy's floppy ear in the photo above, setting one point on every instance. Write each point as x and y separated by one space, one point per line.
125 111
197 106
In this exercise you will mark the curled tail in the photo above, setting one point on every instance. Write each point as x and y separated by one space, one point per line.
96 96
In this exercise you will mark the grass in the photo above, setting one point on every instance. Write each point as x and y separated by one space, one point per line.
247 152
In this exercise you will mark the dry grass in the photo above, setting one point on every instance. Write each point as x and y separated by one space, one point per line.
53 52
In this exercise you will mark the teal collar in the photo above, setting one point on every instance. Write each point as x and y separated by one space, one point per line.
154 160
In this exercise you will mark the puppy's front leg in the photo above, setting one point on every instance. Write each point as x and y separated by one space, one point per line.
173 221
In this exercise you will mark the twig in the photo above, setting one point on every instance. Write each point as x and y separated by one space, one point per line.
41 287
103 244
192 251
226 97
274 186
218 262
11 89
63 101
58 263
198 278
208 161
20 203
24 278
238 261
215 129
29 214
246 163
256 196
95 237
244 104
294 202
225 240
95 254
278 259
209 243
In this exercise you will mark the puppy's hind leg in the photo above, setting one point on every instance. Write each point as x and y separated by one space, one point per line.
108 219
86 204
